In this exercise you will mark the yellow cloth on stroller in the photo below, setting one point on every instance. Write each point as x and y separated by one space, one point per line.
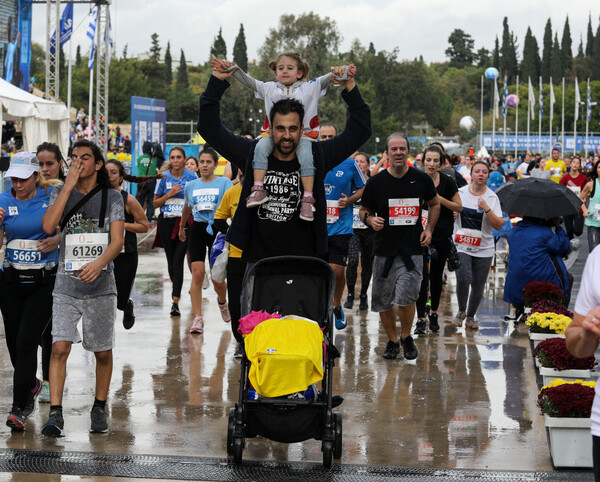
286 355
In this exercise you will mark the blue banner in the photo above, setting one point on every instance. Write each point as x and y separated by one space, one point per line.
15 42
66 28
148 123
543 143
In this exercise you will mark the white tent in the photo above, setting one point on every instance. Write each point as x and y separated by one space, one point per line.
42 120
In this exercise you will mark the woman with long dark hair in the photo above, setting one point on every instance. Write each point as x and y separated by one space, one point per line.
169 197
126 262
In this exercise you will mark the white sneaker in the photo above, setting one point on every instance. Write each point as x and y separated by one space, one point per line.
224 311
471 323
459 318
575 243
197 326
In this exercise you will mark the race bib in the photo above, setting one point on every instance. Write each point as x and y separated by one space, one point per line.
23 254
575 189
555 171
424 218
173 208
205 199
333 212
356 222
404 212
469 239
84 248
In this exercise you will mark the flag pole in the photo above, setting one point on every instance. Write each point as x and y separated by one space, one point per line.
540 119
504 112
575 117
69 77
481 117
494 115
90 104
517 119
528 111
551 110
562 134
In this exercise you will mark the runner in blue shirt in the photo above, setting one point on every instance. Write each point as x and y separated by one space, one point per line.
339 185
28 275
168 196
202 197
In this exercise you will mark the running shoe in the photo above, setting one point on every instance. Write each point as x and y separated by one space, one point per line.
239 351
364 303
459 318
45 393
349 301
55 424
421 327
197 326
471 323
258 196
224 311
340 318
175 310
128 315
391 350
16 420
98 417
307 208
410 349
434 326
30 403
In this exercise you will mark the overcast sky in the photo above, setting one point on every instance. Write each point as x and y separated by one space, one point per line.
418 27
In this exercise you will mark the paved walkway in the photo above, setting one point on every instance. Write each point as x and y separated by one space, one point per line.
468 402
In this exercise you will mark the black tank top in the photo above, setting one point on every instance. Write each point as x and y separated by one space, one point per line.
130 238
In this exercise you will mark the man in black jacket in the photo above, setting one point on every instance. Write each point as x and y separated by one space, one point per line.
274 228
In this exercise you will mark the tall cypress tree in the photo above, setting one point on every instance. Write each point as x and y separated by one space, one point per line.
566 48
240 51
557 69
589 44
531 64
182 73
580 52
496 54
168 65
547 53
219 47
78 56
508 53
595 59
154 47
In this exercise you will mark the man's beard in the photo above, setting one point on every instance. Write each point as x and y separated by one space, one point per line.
288 148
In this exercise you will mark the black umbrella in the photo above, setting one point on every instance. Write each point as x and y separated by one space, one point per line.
538 198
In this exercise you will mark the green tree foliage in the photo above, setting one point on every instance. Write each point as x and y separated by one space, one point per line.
531 63
496 54
460 52
169 65
182 74
219 47
566 48
557 70
125 51
547 53
508 52
483 57
589 44
595 59
78 56
316 39
154 47
240 51
37 66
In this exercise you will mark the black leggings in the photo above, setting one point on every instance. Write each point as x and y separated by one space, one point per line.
433 277
174 251
26 309
236 268
574 224
361 243
125 269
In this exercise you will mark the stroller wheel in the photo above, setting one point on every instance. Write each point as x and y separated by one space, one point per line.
337 427
238 448
230 428
327 449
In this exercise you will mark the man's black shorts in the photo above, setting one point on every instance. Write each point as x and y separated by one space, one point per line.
338 248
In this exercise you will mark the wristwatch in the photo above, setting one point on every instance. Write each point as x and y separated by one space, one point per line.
365 218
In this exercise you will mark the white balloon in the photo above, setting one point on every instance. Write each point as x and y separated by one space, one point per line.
467 123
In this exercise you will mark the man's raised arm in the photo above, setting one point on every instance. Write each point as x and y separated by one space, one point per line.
357 131
232 147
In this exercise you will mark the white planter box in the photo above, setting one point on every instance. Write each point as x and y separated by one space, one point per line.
550 374
537 337
528 311
570 441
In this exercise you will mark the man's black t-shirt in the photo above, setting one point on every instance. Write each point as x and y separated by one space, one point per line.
278 229
447 189
398 201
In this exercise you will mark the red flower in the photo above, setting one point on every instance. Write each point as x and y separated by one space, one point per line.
569 400
553 353
549 306
542 290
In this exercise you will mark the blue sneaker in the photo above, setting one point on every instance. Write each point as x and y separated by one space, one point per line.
340 318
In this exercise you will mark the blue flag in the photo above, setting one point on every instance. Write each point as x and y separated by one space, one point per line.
91 33
66 28
589 102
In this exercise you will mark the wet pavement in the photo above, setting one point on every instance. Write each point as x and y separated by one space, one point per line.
468 402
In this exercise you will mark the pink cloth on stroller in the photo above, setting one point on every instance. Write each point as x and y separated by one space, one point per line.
254 318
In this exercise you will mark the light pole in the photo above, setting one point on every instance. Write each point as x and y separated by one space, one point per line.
376 142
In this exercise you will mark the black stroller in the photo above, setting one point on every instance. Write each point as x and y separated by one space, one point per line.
301 286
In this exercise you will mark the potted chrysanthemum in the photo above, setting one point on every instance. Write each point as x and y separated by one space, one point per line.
566 407
555 361
546 325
